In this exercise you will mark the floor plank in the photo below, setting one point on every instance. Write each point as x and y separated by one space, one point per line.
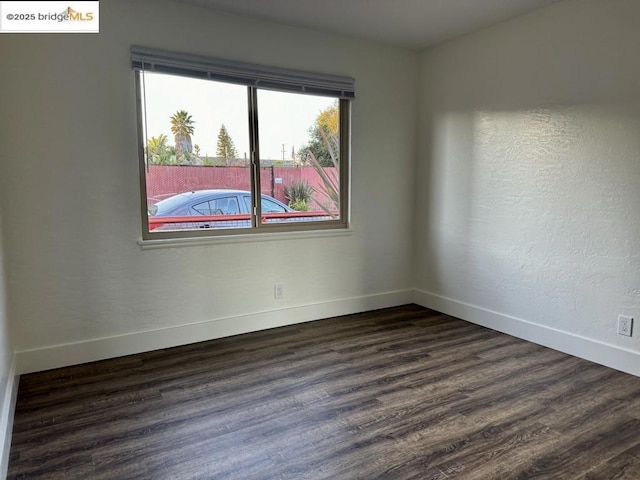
402 393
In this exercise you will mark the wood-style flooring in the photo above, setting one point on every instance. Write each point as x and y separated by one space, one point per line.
400 393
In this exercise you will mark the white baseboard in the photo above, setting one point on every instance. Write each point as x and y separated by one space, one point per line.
6 418
606 354
28 361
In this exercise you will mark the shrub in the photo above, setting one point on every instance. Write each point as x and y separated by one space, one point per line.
299 195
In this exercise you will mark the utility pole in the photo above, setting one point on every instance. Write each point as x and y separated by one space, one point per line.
283 151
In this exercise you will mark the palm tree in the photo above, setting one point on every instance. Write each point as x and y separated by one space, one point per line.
182 129
158 152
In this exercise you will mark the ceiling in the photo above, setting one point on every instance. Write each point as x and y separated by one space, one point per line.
415 24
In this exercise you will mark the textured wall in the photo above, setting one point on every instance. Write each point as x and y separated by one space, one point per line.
529 173
71 192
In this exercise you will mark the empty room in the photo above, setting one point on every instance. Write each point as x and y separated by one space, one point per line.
356 239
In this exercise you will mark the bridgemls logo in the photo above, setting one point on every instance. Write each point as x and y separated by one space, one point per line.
71 15
49 17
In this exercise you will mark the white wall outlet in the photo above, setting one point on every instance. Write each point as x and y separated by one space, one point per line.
625 325
278 291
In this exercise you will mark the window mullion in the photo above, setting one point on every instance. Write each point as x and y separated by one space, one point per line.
254 145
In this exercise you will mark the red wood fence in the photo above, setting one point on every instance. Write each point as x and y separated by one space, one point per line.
166 180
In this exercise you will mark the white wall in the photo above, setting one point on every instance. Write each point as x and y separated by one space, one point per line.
529 173
7 374
71 192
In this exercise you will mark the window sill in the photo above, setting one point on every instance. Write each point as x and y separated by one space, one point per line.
242 238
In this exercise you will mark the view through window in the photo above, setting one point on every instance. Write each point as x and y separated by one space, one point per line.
209 147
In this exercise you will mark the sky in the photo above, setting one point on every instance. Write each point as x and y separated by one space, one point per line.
284 118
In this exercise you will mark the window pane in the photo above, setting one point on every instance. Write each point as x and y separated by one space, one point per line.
299 156
202 208
247 202
225 206
272 207
196 153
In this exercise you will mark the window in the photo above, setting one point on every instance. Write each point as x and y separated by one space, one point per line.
239 148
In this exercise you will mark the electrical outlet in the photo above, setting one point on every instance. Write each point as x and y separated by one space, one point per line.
278 291
625 325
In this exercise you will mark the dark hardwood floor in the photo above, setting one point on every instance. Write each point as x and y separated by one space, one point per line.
401 393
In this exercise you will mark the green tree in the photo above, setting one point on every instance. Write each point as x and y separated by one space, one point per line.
182 129
323 135
322 151
159 153
225 147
